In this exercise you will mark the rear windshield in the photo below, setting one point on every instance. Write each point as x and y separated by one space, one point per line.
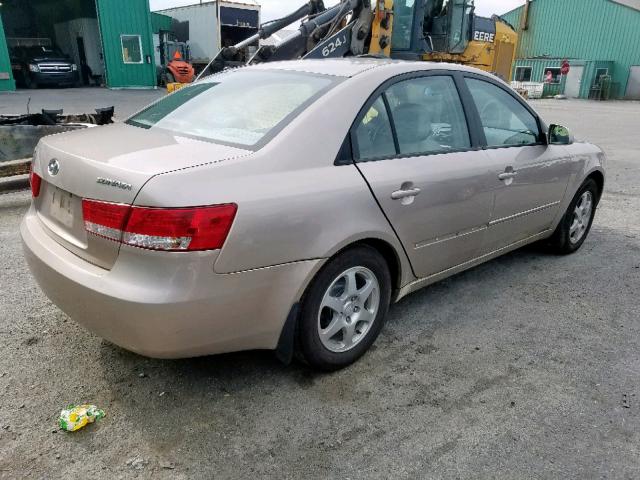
244 108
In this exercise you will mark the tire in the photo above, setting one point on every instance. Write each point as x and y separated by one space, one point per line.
358 316
573 229
168 78
30 83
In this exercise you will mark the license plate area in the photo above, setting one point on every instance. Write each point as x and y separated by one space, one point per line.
61 207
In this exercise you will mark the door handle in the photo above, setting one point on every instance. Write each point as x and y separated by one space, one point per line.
508 174
400 194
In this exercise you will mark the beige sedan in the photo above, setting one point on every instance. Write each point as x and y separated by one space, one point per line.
285 206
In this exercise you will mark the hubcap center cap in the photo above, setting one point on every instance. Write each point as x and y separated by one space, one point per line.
349 309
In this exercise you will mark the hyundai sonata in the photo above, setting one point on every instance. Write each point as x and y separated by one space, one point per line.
284 206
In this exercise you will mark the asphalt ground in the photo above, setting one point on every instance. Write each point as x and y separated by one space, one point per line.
525 367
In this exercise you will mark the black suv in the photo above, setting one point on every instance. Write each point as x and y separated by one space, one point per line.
33 66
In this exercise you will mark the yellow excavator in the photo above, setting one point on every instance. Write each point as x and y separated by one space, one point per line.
424 30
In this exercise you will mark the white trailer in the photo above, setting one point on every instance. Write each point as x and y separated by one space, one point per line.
81 33
210 28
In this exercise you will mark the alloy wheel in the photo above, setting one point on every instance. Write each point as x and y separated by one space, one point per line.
581 217
348 309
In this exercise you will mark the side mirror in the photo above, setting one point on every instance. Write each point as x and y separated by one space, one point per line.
559 135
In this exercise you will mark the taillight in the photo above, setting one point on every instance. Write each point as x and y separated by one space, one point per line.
105 219
168 229
35 181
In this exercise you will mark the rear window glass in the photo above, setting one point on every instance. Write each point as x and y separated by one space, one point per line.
244 108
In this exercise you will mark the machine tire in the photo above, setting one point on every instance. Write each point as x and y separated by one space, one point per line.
169 78
374 271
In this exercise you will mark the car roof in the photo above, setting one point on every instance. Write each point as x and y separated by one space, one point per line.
352 66
339 67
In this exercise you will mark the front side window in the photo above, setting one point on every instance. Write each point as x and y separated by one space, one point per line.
131 48
505 121
428 116
242 108
373 135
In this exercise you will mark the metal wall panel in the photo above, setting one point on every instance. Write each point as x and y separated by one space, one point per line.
6 80
600 30
126 17
160 22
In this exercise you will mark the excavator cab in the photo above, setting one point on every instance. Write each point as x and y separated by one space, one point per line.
425 26
450 31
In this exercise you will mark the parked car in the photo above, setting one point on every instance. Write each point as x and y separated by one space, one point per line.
38 65
285 206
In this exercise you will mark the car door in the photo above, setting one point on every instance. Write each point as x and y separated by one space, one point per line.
414 148
531 177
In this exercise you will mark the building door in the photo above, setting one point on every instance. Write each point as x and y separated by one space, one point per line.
125 27
85 71
633 87
574 82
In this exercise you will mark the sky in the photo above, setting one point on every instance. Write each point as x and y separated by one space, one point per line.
277 8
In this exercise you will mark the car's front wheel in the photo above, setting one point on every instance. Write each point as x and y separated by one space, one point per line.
344 309
29 82
576 223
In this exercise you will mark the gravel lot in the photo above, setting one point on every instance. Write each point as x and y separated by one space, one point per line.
525 367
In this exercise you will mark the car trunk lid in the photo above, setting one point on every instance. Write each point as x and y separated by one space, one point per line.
109 164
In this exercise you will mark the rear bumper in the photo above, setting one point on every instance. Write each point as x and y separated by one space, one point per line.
166 305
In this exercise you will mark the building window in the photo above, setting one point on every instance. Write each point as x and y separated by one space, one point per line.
555 75
131 48
600 72
523 74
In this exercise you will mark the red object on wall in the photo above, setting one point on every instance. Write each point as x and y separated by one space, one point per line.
565 67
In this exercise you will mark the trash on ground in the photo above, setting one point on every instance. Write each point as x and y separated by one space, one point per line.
137 462
625 401
77 416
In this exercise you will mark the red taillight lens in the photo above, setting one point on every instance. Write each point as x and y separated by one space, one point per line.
35 181
168 229
200 228
105 219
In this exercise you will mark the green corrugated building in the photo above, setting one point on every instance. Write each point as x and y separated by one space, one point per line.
111 38
600 39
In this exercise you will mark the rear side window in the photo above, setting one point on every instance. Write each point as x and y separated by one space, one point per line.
373 135
241 108
505 121
428 116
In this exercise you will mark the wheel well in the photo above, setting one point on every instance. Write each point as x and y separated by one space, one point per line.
599 179
388 253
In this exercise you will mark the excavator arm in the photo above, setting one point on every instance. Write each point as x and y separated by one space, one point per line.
425 30
352 27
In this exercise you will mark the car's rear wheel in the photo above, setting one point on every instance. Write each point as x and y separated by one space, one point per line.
344 309
576 223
